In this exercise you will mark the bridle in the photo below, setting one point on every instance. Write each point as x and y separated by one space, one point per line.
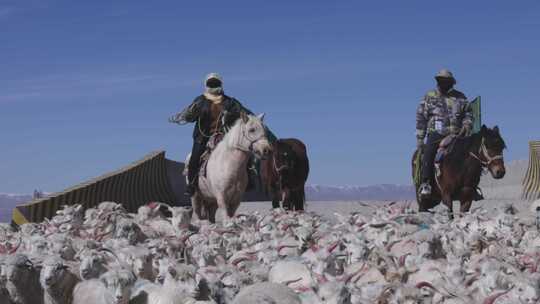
251 141
280 168
484 152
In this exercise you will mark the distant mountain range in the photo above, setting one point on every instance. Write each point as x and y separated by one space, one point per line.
382 192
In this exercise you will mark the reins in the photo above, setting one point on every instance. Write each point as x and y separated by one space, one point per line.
251 141
484 152
278 169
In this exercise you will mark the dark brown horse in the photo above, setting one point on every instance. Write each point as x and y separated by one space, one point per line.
462 167
285 173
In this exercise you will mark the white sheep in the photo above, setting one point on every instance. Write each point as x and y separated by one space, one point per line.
267 293
113 287
57 281
293 274
22 280
92 264
4 295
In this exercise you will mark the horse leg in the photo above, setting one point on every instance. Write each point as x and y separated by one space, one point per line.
275 199
467 195
275 202
299 197
196 204
221 212
232 207
287 204
447 200
210 209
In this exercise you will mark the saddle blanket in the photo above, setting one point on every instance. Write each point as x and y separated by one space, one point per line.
210 146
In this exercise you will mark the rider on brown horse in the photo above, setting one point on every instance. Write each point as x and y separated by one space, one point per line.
442 112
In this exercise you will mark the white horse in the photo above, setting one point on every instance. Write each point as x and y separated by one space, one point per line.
220 192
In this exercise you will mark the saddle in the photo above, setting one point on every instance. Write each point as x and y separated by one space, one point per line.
446 146
213 141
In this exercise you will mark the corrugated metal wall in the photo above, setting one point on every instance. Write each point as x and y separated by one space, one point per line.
137 184
531 182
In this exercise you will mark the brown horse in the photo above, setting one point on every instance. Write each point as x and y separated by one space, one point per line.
285 173
461 169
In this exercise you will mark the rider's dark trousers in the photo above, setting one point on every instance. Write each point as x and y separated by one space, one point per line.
195 160
430 151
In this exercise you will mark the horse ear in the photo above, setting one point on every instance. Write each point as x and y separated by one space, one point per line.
244 117
261 116
496 129
483 129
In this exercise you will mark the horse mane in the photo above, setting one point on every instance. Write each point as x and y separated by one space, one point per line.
231 137
462 147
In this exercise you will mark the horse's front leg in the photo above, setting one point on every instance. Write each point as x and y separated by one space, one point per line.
221 215
274 192
196 204
299 199
232 206
467 195
286 197
447 200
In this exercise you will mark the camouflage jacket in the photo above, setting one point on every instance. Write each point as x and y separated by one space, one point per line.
199 113
443 114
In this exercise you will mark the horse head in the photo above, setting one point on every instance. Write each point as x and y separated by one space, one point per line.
254 134
284 157
491 151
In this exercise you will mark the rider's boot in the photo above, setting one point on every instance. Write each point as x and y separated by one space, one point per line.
425 189
191 187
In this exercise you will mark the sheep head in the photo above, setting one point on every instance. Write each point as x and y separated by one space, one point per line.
118 282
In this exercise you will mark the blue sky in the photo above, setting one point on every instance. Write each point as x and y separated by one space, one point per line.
87 86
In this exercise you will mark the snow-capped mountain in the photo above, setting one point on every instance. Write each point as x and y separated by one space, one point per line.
381 192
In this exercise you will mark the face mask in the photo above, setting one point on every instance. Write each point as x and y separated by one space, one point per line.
445 85
214 86
213 83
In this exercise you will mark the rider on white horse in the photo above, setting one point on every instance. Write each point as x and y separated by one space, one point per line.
213 113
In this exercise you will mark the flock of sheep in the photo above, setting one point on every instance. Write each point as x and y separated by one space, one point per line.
393 255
